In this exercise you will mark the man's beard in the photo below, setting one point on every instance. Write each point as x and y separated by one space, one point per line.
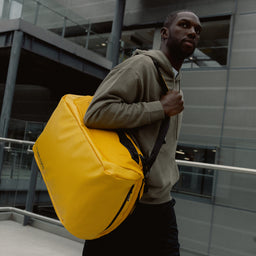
178 53
177 50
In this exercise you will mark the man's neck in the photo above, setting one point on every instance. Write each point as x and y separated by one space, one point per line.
175 62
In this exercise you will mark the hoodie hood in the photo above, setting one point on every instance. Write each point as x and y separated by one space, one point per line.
162 60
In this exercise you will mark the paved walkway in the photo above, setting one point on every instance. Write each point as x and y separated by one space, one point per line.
19 240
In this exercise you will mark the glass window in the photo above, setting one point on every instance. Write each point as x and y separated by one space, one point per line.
15 10
1 8
136 39
193 180
211 52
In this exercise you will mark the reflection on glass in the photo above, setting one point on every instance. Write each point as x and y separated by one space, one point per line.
1 8
15 10
193 180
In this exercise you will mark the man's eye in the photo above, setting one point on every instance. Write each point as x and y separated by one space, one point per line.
184 25
198 31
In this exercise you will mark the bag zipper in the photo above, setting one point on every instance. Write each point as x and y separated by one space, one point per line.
127 199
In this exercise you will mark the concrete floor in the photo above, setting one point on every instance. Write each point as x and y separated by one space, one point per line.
19 240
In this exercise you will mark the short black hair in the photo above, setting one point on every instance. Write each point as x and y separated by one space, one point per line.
171 17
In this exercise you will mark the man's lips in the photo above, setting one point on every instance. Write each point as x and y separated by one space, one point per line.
189 43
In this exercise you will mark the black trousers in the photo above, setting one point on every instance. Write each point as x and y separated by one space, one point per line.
149 230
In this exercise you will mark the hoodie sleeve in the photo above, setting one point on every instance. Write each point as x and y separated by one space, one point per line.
119 102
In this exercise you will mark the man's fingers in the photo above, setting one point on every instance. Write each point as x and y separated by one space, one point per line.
172 103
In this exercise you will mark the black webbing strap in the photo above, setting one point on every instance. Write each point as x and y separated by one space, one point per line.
163 128
124 140
148 162
162 82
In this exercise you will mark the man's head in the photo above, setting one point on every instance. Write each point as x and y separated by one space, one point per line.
180 35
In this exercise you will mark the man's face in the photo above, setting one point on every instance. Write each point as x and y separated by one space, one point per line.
183 34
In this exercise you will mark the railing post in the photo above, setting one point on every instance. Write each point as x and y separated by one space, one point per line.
88 35
14 154
38 4
1 158
31 190
64 27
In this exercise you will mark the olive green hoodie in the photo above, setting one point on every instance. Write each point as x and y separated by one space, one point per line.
129 97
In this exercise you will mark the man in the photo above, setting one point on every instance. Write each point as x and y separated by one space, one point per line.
130 98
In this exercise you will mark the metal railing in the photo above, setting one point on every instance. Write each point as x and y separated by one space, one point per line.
217 167
61 22
34 169
57 18
30 214
179 162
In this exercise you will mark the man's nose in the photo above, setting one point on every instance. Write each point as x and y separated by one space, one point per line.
192 33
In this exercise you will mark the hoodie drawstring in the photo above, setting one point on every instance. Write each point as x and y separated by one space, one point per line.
177 116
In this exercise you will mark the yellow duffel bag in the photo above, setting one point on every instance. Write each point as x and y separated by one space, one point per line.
93 179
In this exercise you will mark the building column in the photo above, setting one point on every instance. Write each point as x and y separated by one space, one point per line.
114 40
157 39
10 82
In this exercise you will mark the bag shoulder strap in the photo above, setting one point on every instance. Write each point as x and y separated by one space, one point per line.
162 82
163 128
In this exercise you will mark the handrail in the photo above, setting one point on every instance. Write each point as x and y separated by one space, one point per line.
59 14
26 142
216 167
67 18
31 214
179 162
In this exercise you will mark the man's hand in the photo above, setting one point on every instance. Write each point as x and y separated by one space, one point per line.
172 103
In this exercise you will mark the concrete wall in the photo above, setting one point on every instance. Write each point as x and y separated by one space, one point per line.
204 95
205 229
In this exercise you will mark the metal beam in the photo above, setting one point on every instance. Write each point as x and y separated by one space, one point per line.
114 40
45 43
60 55
10 82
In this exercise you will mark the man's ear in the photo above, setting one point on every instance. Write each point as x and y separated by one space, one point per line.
164 33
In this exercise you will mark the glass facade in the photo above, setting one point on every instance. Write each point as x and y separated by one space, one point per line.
211 52
10 9
193 180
